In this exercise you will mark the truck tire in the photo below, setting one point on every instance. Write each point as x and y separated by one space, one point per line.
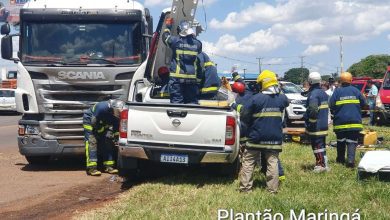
38 160
230 170
127 167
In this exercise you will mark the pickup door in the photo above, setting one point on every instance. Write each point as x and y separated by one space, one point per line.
178 126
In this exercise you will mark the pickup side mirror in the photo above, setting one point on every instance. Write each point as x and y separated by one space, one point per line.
6 47
5 29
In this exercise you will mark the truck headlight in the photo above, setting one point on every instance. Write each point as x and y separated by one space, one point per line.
379 103
31 129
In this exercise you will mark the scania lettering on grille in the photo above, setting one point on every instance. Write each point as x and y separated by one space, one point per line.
76 75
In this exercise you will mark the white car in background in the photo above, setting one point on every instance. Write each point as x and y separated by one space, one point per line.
296 109
7 100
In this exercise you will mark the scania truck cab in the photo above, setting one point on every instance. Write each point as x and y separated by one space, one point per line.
72 54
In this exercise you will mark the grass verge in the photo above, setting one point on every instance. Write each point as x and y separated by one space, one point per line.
195 195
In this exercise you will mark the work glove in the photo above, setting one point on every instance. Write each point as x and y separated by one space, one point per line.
110 135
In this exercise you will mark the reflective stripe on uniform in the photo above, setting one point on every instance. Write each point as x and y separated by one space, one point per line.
102 129
348 101
209 89
338 127
239 107
94 107
89 163
312 120
186 52
323 106
317 133
164 94
319 150
264 146
236 77
243 139
341 140
182 76
88 127
267 114
109 163
208 64
351 141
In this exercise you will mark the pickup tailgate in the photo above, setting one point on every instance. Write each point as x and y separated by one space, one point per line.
177 125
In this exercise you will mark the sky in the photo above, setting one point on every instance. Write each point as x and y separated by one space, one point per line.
280 32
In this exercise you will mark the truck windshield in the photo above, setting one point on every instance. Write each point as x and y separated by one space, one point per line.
386 81
81 43
290 88
7 93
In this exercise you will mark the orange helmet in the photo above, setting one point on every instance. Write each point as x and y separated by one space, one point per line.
238 87
346 77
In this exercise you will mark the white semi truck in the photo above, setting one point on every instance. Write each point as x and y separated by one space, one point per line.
71 55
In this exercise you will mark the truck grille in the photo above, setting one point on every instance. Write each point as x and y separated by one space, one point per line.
63 101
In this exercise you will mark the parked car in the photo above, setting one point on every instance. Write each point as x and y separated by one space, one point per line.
296 109
7 100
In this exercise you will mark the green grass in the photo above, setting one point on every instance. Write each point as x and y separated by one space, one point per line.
199 196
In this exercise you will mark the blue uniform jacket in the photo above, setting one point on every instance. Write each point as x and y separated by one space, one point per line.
263 114
207 73
346 104
317 110
100 117
184 55
241 101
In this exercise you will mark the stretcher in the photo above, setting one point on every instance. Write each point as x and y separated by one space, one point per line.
375 163
296 135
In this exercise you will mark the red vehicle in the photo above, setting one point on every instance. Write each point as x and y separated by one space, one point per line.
382 116
361 84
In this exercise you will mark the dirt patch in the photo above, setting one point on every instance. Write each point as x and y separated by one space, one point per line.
64 205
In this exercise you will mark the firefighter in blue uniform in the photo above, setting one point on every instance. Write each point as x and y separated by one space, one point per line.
101 125
183 83
243 96
208 75
263 115
316 121
346 104
162 81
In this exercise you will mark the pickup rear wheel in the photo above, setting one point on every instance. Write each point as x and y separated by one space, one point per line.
128 167
230 170
38 160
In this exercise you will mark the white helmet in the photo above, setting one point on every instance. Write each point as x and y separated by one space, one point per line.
314 78
185 29
116 105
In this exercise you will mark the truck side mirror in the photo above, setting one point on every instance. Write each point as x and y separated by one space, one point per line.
5 29
6 47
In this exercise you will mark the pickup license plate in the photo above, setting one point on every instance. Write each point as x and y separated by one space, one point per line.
174 158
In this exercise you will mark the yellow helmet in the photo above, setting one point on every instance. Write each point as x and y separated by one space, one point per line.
267 79
346 77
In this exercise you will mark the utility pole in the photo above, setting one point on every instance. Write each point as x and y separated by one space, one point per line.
337 71
244 72
302 76
259 59
341 55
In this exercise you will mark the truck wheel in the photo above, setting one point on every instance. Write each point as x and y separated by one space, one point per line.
230 170
37 160
128 167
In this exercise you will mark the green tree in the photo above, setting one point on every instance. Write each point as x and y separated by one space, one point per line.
296 75
374 66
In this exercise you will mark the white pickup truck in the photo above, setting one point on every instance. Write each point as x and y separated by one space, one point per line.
153 129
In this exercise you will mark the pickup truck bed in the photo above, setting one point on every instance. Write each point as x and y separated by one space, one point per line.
183 134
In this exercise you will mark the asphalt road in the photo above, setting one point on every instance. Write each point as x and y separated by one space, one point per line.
24 186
